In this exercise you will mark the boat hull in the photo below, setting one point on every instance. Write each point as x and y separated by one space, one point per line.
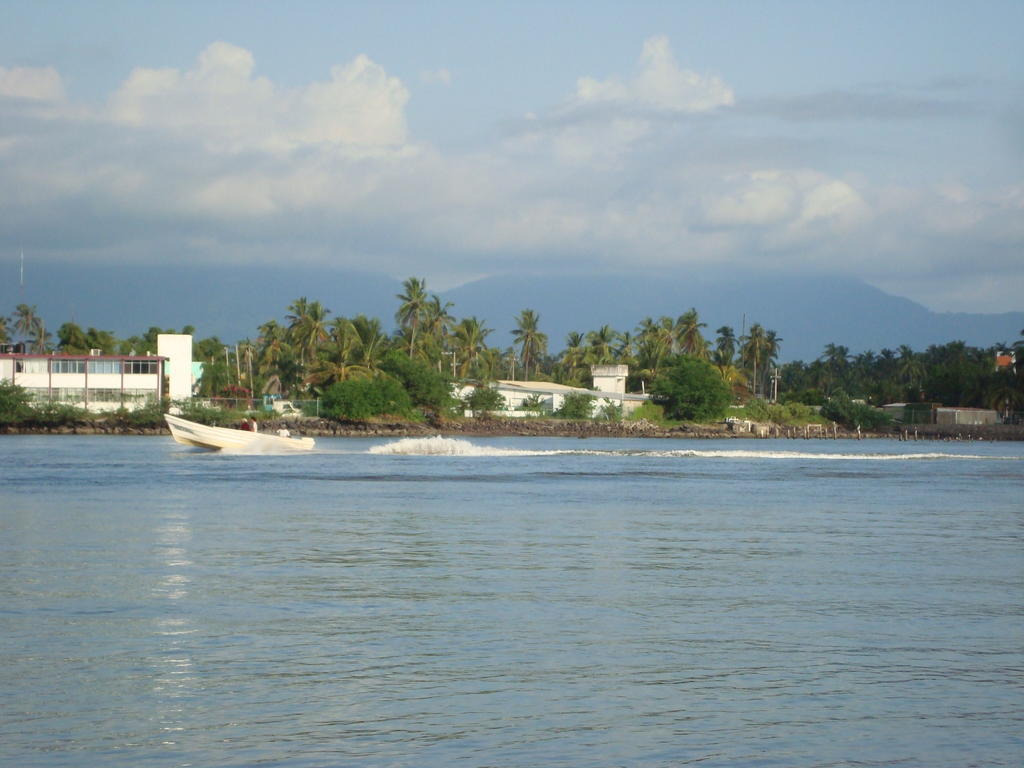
223 439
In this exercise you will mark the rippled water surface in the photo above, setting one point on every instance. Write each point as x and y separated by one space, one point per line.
512 602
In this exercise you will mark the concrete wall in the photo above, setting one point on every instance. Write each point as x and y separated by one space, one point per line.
610 378
967 416
177 348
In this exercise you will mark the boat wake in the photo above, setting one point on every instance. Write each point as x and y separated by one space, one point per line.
446 446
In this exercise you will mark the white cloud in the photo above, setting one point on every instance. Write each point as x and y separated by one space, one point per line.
787 209
225 160
659 84
603 119
221 103
31 83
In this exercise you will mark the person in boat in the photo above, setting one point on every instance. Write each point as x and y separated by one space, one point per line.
244 426
283 432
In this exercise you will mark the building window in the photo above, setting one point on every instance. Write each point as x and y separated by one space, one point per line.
30 366
104 395
68 366
69 395
141 366
39 394
104 366
140 395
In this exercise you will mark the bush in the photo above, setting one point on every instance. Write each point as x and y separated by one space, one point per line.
691 390
610 411
787 414
485 399
648 412
425 386
150 415
534 404
840 408
576 406
362 399
805 397
194 410
14 404
51 415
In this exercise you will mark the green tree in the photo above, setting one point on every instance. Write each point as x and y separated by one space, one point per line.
840 408
725 346
427 389
532 343
576 405
307 328
753 349
485 400
469 343
362 399
573 360
14 404
601 346
71 340
412 311
691 390
688 336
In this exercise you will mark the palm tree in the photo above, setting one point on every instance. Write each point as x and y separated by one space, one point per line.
470 335
573 361
688 335
490 364
4 334
307 327
752 352
40 338
532 343
910 368
412 311
434 332
725 345
655 341
27 321
837 361
624 350
1003 394
601 345
275 358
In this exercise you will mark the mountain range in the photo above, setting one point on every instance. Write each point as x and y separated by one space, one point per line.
232 302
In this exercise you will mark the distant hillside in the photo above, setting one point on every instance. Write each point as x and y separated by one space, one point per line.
231 303
228 302
807 313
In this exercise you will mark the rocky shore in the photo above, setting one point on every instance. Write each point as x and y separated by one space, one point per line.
498 427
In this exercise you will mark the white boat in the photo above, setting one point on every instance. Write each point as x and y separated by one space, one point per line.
224 439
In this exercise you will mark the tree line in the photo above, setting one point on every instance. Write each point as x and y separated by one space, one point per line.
309 350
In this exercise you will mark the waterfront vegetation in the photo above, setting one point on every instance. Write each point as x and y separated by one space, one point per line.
358 370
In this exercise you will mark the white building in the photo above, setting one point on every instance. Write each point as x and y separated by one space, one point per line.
99 382
548 397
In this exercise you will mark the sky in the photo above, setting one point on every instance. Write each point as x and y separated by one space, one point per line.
457 140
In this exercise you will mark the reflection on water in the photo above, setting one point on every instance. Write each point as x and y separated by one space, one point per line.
642 603
174 675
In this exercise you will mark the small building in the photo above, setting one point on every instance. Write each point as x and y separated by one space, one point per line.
99 382
95 381
966 416
548 397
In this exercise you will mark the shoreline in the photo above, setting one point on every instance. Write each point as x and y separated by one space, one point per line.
498 427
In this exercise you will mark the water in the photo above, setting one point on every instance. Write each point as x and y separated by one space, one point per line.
512 602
